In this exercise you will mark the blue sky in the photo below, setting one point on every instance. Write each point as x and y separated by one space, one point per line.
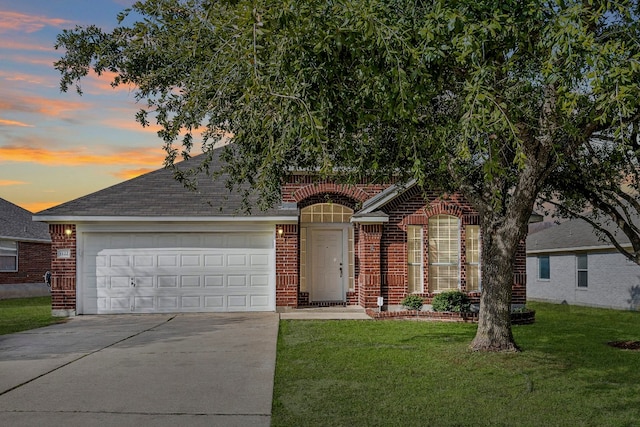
55 147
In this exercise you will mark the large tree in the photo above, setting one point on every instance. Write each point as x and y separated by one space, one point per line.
489 98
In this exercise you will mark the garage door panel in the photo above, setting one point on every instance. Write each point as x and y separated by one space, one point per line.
259 281
143 303
147 273
214 281
236 302
168 303
190 261
143 281
167 260
260 260
167 281
190 282
216 303
214 260
236 281
143 261
119 304
259 301
236 260
119 282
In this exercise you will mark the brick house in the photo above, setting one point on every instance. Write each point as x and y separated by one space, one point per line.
148 245
25 252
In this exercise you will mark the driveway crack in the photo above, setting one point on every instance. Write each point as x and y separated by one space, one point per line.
86 355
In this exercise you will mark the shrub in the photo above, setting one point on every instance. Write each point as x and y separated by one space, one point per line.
412 302
451 301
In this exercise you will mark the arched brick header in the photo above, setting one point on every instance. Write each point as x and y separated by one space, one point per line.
440 208
348 191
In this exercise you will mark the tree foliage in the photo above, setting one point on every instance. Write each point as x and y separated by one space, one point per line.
496 99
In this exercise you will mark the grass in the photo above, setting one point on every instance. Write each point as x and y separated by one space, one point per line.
22 314
407 373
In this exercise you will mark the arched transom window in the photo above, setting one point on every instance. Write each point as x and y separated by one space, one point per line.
325 212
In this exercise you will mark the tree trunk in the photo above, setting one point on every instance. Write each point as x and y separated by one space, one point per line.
494 323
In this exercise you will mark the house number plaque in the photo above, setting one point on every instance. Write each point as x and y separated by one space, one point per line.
64 253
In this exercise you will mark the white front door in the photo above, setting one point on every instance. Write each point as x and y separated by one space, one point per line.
327 265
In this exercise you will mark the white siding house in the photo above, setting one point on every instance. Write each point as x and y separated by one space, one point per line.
568 263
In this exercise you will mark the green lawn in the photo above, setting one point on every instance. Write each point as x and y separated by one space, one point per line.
407 373
22 314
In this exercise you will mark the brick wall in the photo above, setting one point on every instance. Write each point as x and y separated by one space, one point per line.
415 208
389 241
287 273
370 277
34 259
63 270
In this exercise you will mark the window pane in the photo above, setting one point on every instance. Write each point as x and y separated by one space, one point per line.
582 262
414 258
582 279
472 243
325 213
443 278
473 278
444 252
544 271
8 263
8 255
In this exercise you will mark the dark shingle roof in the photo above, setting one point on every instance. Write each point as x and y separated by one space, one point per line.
571 234
17 224
159 194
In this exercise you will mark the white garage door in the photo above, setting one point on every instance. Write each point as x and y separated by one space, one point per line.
177 272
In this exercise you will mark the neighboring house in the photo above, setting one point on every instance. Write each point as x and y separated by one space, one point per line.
148 245
568 263
25 252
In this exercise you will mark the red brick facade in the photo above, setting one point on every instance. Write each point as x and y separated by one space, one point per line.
380 249
34 259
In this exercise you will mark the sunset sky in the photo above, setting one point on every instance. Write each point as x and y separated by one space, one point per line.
55 147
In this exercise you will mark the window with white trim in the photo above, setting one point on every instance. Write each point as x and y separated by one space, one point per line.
414 258
444 253
582 270
8 255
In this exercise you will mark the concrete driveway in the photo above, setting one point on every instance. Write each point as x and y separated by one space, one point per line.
133 370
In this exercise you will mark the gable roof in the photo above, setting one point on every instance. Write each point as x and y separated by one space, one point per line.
574 234
158 195
16 224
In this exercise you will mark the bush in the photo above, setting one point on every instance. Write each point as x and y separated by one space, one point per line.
451 301
412 302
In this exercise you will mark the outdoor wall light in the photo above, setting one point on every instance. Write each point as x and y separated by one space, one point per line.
68 232
280 232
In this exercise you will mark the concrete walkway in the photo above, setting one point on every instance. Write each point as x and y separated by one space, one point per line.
349 312
134 370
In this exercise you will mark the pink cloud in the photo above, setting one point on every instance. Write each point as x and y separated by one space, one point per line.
9 182
16 21
4 122
7 43
40 105
78 156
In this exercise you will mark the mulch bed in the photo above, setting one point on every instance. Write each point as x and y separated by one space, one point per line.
627 345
